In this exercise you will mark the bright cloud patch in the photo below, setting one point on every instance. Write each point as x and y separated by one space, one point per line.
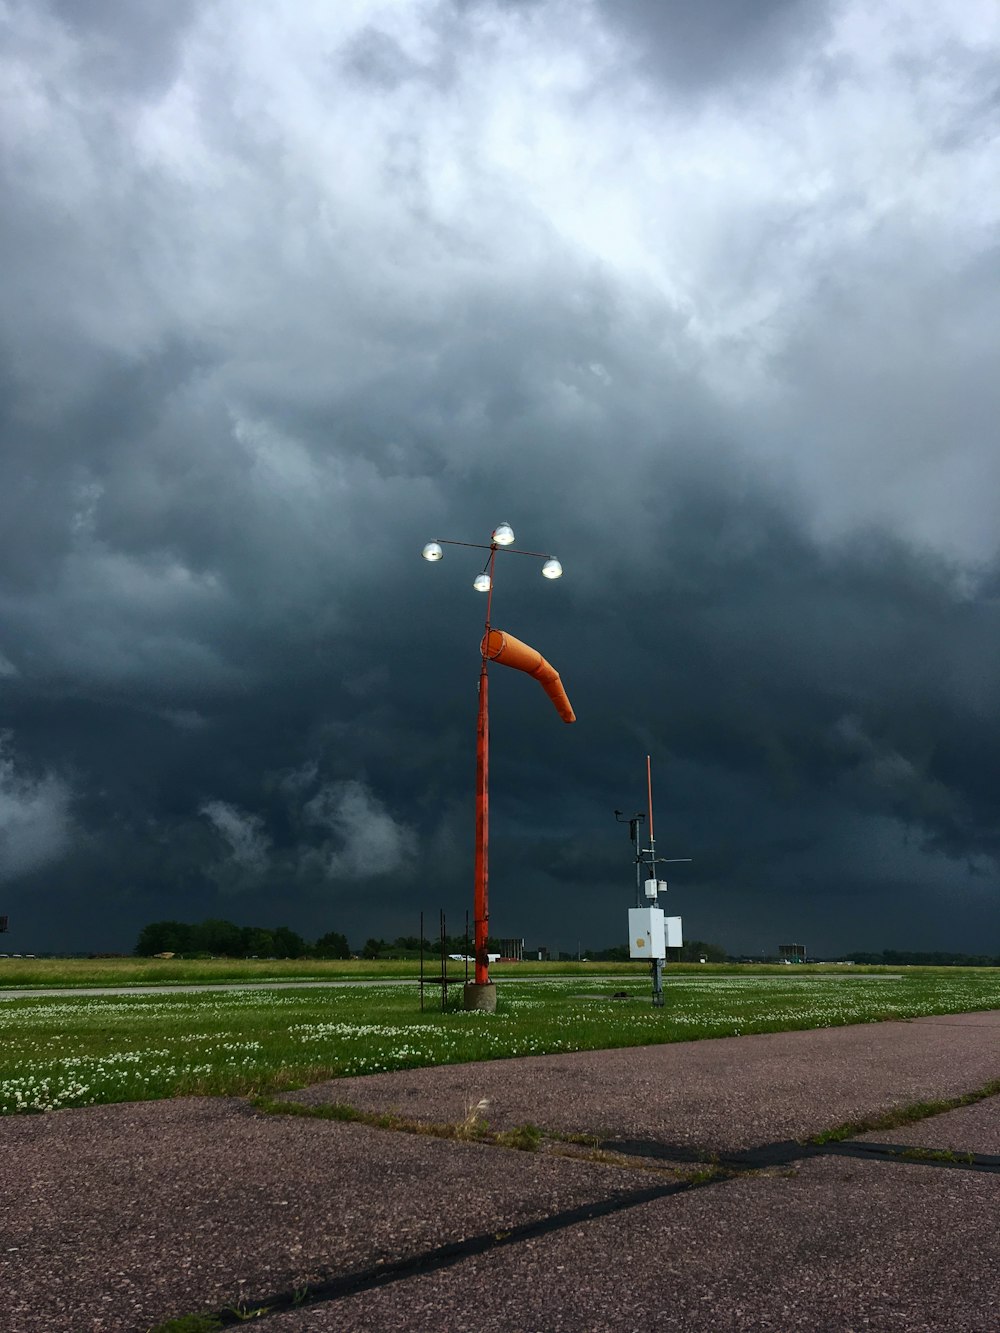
366 840
35 825
244 833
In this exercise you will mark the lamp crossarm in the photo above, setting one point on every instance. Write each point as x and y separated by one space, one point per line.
492 546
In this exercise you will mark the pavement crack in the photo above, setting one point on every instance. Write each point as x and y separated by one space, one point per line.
714 1168
787 1152
432 1260
907 1115
914 1155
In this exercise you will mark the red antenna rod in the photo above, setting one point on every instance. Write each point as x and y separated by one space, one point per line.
649 789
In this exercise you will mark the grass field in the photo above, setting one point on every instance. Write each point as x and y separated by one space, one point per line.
77 1051
41 973
62 972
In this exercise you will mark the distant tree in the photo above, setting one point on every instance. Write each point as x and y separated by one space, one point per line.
373 948
217 937
257 942
332 945
408 943
163 937
222 938
288 943
618 953
910 958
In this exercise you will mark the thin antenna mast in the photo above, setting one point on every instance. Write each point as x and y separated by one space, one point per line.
649 936
649 790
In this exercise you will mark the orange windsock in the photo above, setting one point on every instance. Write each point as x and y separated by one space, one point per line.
501 647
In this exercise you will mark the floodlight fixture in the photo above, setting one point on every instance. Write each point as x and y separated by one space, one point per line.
552 569
503 534
432 551
482 583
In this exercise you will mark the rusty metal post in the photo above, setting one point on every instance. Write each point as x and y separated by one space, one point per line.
481 915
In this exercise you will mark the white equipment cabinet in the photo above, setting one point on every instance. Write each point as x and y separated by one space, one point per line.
651 934
646 936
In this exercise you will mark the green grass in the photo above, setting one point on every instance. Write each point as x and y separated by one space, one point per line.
80 1050
474 1128
39 973
910 1114
190 1323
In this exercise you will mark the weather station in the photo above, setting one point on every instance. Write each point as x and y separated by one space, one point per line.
501 647
650 931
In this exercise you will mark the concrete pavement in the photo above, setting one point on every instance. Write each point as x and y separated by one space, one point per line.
123 1217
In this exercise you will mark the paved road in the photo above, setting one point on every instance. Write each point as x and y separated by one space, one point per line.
120 1217
186 988
44 992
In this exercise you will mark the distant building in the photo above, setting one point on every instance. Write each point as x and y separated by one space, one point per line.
792 953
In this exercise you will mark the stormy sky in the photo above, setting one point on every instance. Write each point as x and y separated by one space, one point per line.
702 299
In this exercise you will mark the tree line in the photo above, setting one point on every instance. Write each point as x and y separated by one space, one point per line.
910 958
224 939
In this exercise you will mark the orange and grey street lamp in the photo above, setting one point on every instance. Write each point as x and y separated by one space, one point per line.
497 646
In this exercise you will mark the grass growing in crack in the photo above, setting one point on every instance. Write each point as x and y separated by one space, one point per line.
906 1115
190 1323
524 1137
937 1155
473 1129
63 1052
213 1323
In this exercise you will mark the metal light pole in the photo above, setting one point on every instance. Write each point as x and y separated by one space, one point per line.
504 648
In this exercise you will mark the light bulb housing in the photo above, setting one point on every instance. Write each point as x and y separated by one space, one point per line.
432 551
481 583
503 534
552 569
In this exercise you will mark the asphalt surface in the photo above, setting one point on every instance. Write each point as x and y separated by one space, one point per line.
722 1094
123 1217
185 987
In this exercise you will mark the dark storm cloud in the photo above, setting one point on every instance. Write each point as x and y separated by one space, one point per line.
690 43
697 46
135 47
288 306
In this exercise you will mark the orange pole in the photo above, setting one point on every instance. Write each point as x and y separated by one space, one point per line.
649 789
480 905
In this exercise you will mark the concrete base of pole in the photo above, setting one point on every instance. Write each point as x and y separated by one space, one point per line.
482 997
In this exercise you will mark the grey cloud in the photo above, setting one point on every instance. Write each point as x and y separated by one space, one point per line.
699 46
367 841
36 826
243 833
724 355
135 47
377 58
